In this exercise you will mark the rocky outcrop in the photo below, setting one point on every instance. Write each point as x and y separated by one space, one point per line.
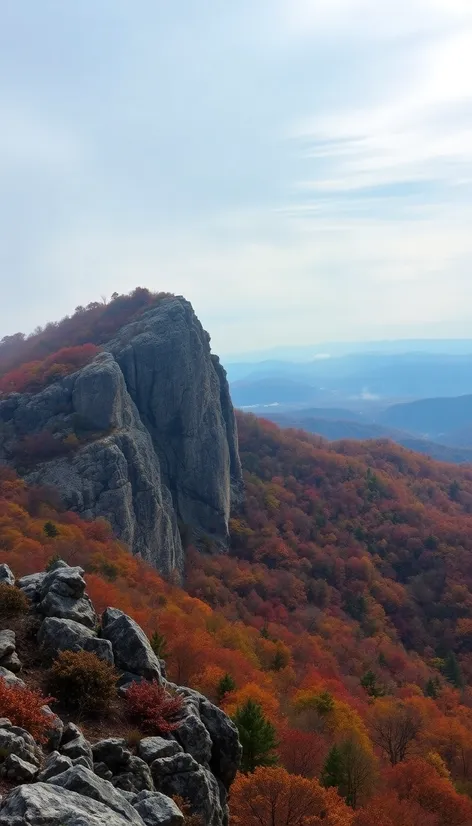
112 782
157 444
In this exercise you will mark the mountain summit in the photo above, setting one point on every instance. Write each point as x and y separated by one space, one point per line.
143 435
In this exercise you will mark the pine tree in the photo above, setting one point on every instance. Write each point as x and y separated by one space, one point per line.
159 645
224 687
333 772
370 684
50 529
452 670
257 736
431 689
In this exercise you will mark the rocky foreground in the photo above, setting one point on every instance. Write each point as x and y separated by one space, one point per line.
69 781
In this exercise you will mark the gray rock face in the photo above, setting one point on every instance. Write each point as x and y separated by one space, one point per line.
6 574
85 782
157 809
55 764
136 777
150 748
67 635
44 804
182 775
162 444
131 647
7 643
31 585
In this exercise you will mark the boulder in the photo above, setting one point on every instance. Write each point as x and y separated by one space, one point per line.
113 752
62 594
65 580
193 736
10 678
102 770
15 768
181 775
156 809
15 741
12 662
151 748
55 729
131 647
67 635
7 643
85 782
44 804
31 586
55 764
75 746
226 748
6 574
135 778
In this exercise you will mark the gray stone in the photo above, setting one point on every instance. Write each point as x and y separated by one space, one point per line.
66 635
13 741
75 746
31 585
7 643
85 782
193 736
165 443
66 581
156 809
12 662
10 678
63 595
55 764
183 776
45 804
6 574
55 729
102 770
151 748
113 752
131 647
15 768
136 777
226 748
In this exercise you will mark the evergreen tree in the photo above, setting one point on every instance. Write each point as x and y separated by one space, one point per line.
333 771
371 685
50 529
257 736
159 645
452 670
431 689
224 687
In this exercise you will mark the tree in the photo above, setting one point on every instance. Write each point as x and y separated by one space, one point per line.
273 797
394 726
452 671
350 768
159 645
225 686
432 689
50 529
370 683
257 735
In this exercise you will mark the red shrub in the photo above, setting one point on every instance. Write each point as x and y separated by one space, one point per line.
23 707
153 707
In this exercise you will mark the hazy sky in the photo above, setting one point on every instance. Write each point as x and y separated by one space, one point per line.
299 169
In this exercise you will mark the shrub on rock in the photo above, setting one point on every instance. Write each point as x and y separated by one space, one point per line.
24 708
83 682
152 707
12 601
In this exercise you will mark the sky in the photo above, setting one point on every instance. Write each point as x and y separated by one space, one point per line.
300 170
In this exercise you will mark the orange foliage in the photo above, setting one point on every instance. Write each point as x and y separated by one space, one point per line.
33 376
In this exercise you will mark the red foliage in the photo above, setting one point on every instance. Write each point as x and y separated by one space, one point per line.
23 707
33 376
152 707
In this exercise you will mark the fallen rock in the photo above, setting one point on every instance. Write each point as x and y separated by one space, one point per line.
44 804
15 741
55 729
85 782
6 574
102 770
62 594
15 768
183 776
65 580
156 809
55 764
10 678
113 752
151 748
31 585
131 647
136 777
12 662
67 635
7 643
76 747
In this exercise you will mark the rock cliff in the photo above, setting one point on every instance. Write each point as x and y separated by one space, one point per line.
144 436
